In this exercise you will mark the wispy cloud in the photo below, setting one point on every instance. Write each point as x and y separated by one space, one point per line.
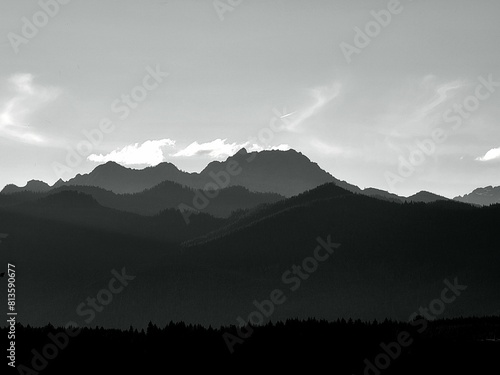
441 93
147 153
218 148
321 96
25 97
325 148
281 147
493 154
416 112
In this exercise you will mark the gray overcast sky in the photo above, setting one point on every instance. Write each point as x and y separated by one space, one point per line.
227 77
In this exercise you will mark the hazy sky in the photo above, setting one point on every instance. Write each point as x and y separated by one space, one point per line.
358 105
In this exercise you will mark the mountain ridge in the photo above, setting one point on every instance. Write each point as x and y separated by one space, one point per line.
287 173
481 196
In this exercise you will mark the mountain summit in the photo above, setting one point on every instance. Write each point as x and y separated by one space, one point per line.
283 172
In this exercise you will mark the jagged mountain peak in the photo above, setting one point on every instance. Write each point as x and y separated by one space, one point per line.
481 196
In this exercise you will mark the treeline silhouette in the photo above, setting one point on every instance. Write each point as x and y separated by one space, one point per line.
453 346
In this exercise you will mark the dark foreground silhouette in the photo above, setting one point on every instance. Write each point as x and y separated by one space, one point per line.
454 346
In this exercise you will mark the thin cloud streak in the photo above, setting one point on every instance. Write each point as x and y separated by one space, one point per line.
441 95
321 96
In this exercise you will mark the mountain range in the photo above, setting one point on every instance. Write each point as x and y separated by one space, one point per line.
286 173
394 254
482 196
282 172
